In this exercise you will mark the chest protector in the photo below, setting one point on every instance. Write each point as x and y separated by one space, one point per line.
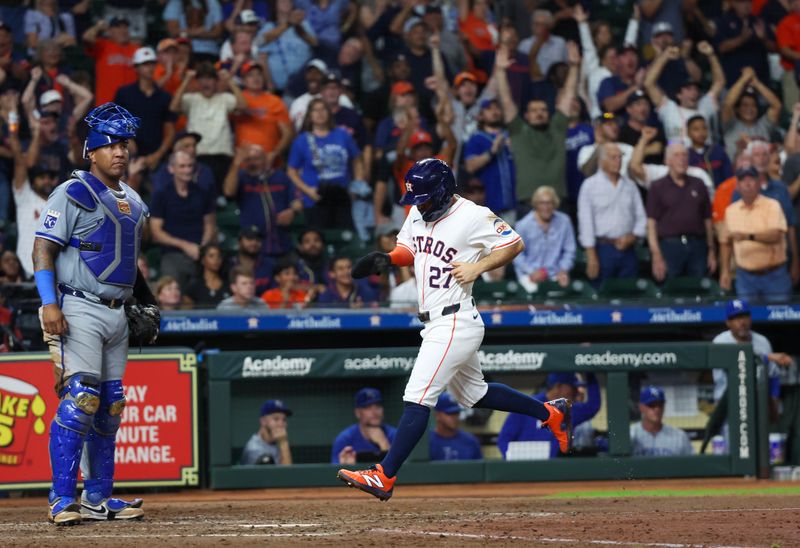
111 248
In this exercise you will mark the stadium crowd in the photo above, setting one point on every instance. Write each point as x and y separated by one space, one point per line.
611 134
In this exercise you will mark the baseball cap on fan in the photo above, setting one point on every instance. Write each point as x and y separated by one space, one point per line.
637 95
420 137
402 87
50 96
747 171
166 43
248 17
411 23
318 64
462 77
144 55
662 27
117 21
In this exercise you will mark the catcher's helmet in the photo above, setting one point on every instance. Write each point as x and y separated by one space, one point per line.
430 179
108 124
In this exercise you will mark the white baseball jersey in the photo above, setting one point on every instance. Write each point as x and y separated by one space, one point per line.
448 357
465 233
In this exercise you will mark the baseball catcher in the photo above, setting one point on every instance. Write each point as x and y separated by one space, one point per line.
84 258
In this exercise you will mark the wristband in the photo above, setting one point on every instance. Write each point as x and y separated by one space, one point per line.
46 284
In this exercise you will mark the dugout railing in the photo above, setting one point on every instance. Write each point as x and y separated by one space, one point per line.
318 385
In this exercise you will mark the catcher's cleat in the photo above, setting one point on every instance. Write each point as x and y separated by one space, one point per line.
372 481
560 422
64 511
111 508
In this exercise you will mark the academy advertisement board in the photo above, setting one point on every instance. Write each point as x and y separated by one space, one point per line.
157 443
398 362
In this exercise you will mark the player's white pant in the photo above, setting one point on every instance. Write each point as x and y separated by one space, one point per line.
448 358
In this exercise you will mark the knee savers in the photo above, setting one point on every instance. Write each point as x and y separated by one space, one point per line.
112 404
80 399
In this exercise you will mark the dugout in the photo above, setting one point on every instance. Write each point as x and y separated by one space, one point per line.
318 385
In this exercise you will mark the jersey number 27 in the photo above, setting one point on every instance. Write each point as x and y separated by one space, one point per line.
437 274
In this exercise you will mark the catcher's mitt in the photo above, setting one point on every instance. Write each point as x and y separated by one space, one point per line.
143 322
372 263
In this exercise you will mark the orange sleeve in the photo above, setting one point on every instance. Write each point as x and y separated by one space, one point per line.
722 199
401 256
783 34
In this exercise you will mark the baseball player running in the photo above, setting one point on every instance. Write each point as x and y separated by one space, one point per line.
84 258
451 242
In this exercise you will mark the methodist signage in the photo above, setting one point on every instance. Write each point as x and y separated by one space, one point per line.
157 443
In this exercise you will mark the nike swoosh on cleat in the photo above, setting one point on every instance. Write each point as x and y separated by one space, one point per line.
97 509
475 316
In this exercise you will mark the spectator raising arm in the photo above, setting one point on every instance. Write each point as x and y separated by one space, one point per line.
29 94
502 63
649 8
654 91
32 154
792 142
775 105
567 93
90 36
227 79
396 26
82 98
438 68
20 166
717 74
175 105
230 187
636 169
617 102
444 123
735 93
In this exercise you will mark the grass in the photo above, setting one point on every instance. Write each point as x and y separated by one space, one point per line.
706 492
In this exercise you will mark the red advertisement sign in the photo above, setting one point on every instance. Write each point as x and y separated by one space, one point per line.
156 444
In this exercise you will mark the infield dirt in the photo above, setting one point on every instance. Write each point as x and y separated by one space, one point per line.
731 512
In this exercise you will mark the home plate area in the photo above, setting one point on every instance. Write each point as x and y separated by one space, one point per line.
431 515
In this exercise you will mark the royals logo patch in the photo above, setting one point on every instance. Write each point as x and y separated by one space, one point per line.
51 219
124 207
501 227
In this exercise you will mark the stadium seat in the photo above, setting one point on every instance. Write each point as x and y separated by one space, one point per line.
502 292
550 292
617 289
229 239
228 217
338 237
9 232
153 256
355 250
692 289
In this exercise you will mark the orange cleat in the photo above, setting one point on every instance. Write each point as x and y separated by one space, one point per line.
372 481
560 422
